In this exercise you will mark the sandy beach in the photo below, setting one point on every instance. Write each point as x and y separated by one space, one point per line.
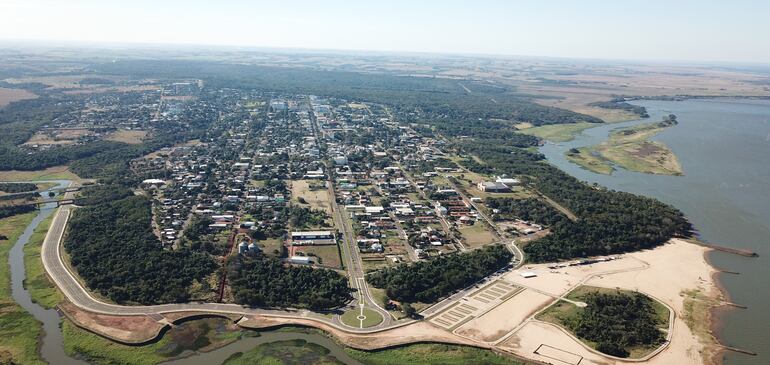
672 274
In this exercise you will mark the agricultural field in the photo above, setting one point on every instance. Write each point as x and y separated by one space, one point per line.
8 96
51 173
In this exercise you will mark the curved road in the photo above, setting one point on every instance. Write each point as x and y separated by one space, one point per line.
80 297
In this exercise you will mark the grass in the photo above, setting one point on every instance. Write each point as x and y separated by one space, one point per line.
562 312
99 350
198 335
40 288
631 149
127 136
477 234
430 354
590 160
697 314
292 352
350 318
19 330
327 255
317 199
559 132
271 245
51 173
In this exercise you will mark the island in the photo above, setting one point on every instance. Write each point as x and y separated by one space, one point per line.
631 149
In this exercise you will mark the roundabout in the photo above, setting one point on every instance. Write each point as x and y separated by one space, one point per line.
361 318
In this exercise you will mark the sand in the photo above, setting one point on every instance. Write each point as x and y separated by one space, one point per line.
666 272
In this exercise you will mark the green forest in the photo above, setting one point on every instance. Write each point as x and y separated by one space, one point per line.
617 322
113 248
262 281
429 281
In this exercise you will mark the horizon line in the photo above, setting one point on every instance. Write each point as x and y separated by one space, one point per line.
53 43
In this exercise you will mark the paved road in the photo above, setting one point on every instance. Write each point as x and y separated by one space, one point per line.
80 297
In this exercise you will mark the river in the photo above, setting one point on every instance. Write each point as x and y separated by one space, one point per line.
52 343
724 148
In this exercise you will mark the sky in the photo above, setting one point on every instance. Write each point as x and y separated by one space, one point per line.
680 30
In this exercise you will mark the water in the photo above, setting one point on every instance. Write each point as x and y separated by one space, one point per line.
724 148
52 345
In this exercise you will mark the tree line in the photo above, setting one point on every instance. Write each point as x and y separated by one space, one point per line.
429 281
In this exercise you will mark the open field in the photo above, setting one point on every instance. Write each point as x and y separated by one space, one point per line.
327 255
477 234
291 352
590 160
271 245
631 149
558 132
127 136
317 199
19 331
40 288
430 354
51 173
8 96
197 335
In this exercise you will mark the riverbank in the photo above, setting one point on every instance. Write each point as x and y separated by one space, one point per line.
19 331
631 149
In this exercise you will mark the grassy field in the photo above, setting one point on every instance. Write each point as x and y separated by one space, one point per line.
558 132
314 199
327 255
430 354
40 288
631 149
8 96
589 159
127 136
271 245
51 173
477 235
19 331
198 335
562 312
350 318
293 352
